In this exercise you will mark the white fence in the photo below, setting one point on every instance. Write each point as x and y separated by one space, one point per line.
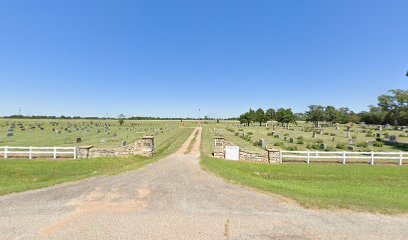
30 152
308 156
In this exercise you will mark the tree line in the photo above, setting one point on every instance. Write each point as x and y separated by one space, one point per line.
392 108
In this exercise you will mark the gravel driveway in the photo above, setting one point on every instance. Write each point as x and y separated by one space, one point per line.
175 199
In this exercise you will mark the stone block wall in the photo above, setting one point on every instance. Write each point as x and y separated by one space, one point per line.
268 156
143 147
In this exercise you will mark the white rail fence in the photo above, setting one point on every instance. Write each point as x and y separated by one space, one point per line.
30 152
372 157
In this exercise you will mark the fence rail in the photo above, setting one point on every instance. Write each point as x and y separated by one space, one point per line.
344 156
30 152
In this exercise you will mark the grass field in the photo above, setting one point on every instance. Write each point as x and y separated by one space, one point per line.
362 138
21 175
358 187
100 133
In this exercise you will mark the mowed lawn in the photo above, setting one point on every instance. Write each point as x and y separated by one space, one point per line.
381 189
22 175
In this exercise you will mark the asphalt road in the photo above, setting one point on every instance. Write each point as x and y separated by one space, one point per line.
175 199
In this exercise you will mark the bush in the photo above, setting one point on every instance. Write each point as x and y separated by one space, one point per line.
250 133
236 134
378 144
279 144
292 148
269 134
362 144
341 146
354 137
286 134
333 134
300 140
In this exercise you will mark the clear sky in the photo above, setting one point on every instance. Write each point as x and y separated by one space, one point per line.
171 58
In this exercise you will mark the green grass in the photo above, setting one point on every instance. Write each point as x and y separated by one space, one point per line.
58 132
361 134
368 188
22 175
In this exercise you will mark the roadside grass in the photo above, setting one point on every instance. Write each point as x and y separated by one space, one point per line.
380 189
22 175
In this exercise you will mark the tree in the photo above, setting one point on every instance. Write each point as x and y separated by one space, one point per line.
315 114
285 116
121 119
344 115
245 118
259 116
270 114
331 114
394 104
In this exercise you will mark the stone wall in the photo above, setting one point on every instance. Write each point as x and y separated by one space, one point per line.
143 147
269 156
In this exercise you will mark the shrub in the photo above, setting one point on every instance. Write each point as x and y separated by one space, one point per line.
300 140
236 134
378 144
292 148
279 144
333 134
354 137
341 146
250 133
269 134
286 134
362 144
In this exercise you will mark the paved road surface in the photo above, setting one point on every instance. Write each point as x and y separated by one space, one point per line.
175 199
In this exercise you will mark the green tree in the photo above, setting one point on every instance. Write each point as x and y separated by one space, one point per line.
270 114
260 116
121 119
315 114
245 118
395 104
285 116
331 114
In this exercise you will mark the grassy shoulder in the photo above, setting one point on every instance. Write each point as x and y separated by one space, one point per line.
22 175
366 188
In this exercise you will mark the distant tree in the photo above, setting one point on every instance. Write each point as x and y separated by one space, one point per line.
245 118
394 104
315 114
259 116
331 114
270 114
344 115
121 119
285 116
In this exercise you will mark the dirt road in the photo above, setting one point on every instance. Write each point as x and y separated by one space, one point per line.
175 199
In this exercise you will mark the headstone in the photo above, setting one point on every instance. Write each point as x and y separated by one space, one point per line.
337 128
350 148
273 133
348 135
291 140
393 139
323 146
378 135
78 140
387 126
10 134
123 143
314 134
262 143
348 127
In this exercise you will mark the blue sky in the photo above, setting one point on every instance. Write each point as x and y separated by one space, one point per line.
170 58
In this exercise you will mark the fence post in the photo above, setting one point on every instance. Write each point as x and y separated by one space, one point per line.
344 157
400 158
372 158
30 153
317 153
5 151
55 152
75 153
308 157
